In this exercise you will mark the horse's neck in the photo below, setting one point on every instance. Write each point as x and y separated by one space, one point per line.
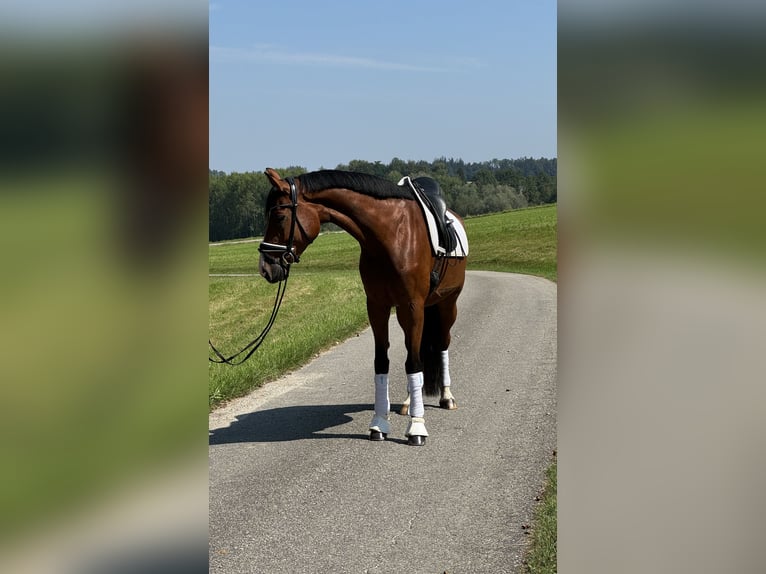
360 215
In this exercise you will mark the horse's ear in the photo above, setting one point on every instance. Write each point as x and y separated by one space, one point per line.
274 178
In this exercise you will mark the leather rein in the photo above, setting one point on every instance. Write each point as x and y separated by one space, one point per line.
287 255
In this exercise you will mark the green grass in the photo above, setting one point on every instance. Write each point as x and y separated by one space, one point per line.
521 241
323 305
541 558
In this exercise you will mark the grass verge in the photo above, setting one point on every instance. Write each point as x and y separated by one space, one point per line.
323 305
541 557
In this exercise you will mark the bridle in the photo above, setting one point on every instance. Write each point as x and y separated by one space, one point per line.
285 254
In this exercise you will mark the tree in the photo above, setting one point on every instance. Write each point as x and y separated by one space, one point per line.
236 200
485 177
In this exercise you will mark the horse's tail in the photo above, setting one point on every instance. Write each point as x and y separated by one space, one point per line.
430 354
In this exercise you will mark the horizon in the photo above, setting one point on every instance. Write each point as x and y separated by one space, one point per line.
448 159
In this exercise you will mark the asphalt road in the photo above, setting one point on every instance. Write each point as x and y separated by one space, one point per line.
296 487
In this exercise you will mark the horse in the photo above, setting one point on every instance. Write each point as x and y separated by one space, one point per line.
397 266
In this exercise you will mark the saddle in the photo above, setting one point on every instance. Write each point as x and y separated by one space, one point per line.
431 193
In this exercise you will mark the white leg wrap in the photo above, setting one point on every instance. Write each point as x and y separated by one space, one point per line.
382 402
446 381
380 424
417 427
415 389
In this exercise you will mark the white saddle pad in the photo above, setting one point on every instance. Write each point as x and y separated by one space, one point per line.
462 239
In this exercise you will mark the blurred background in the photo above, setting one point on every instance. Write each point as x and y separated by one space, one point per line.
103 297
662 404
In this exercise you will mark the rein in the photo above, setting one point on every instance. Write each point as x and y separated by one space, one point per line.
255 343
287 256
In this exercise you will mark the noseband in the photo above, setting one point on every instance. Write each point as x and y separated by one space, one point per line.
285 253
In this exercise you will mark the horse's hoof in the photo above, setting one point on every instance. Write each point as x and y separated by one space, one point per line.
448 404
416 440
377 435
404 410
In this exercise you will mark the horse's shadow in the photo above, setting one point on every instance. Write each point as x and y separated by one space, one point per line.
290 423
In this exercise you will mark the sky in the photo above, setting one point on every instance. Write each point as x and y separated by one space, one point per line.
317 84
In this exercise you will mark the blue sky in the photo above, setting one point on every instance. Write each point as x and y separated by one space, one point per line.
315 84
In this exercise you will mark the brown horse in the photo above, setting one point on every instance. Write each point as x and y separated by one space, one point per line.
396 266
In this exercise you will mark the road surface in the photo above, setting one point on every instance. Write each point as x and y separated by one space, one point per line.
296 487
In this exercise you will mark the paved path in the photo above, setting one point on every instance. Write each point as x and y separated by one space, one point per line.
296 487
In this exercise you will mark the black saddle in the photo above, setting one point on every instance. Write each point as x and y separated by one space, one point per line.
432 194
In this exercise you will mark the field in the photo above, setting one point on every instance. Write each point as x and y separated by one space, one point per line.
521 241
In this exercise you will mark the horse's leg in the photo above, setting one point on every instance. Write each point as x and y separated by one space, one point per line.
448 312
447 400
378 315
405 405
411 320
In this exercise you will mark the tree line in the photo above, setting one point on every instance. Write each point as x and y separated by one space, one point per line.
236 200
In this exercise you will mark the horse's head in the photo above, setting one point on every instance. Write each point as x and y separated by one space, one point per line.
291 226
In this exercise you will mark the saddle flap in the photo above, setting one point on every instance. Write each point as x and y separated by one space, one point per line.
430 195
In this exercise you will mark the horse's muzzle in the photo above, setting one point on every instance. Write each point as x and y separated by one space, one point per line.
271 270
